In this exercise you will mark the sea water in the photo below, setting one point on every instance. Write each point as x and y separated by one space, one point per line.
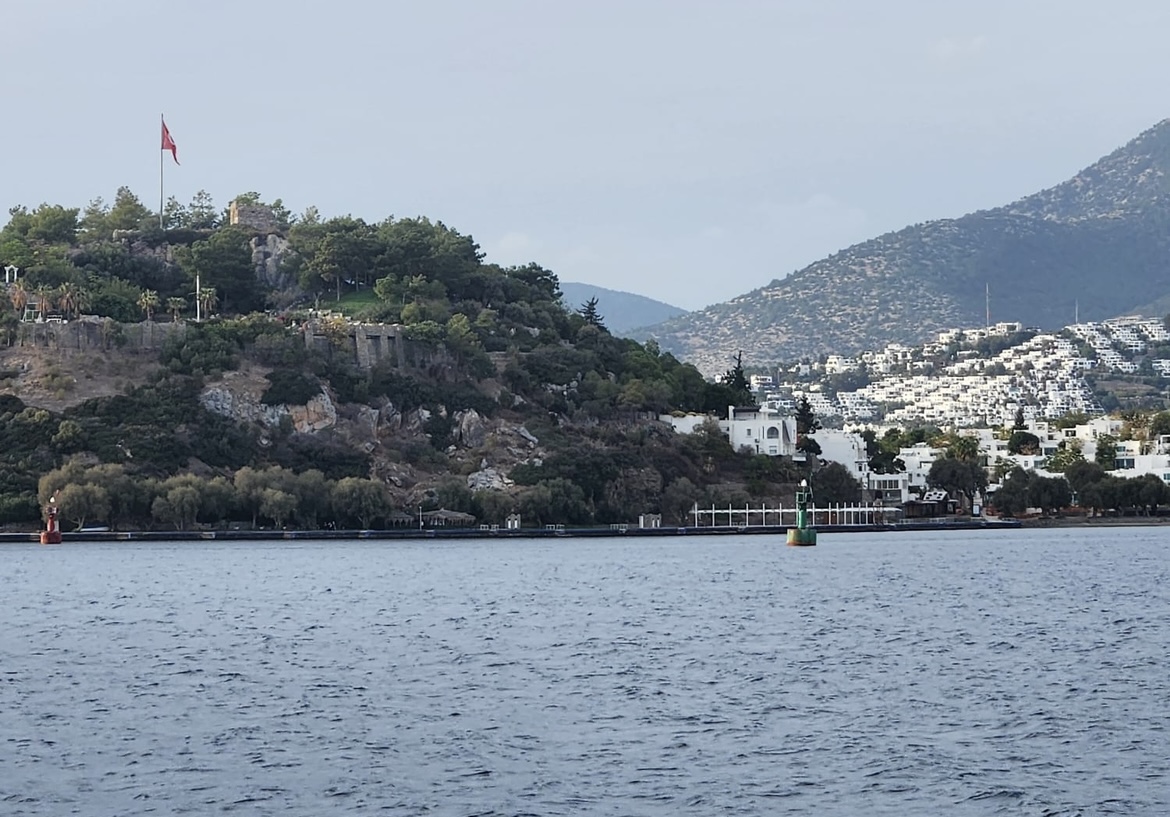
959 673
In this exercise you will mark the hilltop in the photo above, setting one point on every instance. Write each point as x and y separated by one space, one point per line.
1097 244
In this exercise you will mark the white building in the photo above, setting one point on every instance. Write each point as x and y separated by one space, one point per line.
752 428
918 459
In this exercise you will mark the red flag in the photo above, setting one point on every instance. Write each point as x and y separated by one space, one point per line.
169 144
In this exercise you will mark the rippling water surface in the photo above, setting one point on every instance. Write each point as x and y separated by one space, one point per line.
965 673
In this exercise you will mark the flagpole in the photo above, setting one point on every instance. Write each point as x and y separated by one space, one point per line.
162 124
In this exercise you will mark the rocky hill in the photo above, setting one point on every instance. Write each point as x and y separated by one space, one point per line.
1098 243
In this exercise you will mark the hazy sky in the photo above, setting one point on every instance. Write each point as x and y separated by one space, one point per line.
688 150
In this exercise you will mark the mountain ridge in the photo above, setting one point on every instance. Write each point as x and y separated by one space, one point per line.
622 311
1096 243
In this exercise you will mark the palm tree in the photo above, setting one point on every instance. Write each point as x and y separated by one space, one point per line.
84 299
148 302
208 300
19 295
175 306
69 298
44 298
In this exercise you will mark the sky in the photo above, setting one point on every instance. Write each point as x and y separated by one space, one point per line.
686 150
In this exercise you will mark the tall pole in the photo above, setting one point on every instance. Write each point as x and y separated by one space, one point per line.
198 301
161 124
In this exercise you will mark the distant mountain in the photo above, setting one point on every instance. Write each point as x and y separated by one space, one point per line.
622 311
1099 242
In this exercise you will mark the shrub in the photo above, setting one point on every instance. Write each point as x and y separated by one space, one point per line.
290 387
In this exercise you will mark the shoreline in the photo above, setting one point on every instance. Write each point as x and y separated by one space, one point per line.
487 534
404 534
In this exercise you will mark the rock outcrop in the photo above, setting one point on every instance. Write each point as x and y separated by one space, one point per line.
488 479
267 254
238 395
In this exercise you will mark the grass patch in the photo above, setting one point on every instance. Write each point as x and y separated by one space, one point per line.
353 302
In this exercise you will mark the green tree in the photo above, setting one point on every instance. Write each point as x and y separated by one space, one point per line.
176 306
807 424
178 506
94 223
1049 494
678 499
1106 455
1080 474
1020 424
71 298
83 501
208 301
589 313
53 224
1068 453
735 380
148 302
881 460
1023 442
277 505
174 214
201 213
312 494
128 213
360 499
1012 497
1159 425
957 477
345 251
835 485
70 437
963 447
223 262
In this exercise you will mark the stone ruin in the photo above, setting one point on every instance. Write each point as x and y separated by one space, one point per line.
256 217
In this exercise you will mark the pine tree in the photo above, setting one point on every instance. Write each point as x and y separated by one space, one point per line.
737 381
589 312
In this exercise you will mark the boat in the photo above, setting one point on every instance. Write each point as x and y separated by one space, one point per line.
803 534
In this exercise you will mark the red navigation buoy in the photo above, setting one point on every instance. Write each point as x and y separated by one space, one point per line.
51 535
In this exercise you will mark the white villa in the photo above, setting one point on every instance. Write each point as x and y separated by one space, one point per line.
760 430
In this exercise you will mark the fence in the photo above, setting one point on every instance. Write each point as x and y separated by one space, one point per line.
836 515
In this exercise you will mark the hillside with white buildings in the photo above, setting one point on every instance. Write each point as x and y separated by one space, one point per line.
949 382
976 382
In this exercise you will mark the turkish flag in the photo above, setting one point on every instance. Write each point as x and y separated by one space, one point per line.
169 144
